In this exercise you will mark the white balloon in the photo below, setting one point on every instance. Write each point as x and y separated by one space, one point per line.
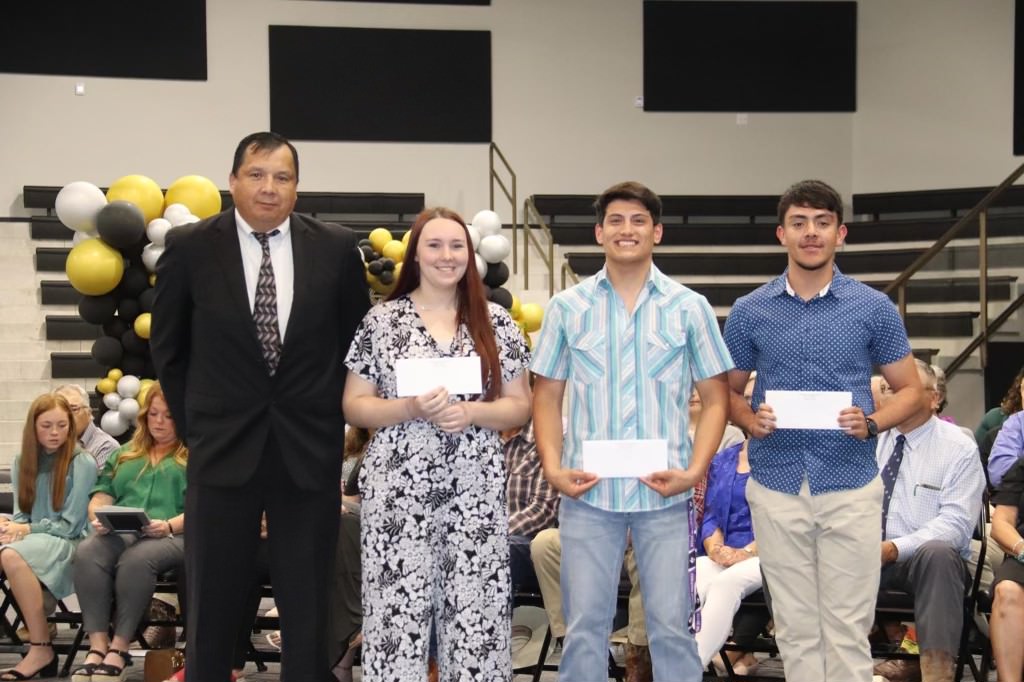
488 222
157 230
112 400
114 423
189 219
129 408
150 255
128 386
474 236
495 248
175 212
481 265
77 205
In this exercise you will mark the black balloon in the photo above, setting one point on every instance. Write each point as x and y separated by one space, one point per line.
497 274
386 277
115 327
133 282
146 300
120 224
133 343
133 364
375 267
128 309
97 309
107 351
501 296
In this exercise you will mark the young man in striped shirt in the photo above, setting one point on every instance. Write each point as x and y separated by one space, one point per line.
629 344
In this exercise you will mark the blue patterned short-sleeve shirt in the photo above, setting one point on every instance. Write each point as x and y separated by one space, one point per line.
829 343
629 375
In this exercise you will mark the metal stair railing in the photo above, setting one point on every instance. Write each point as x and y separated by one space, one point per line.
530 216
495 179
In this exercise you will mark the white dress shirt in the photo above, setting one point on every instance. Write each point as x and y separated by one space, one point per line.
938 491
280 257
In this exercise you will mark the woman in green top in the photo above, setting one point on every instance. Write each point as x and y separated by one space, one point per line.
995 417
148 472
51 479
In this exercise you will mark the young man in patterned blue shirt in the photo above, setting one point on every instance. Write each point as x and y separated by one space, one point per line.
815 494
629 343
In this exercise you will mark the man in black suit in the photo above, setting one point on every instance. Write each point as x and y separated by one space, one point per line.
254 312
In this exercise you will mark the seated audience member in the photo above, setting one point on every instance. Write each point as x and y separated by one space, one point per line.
51 479
91 438
1011 404
148 472
933 484
939 400
532 502
728 569
1007 624
1007 448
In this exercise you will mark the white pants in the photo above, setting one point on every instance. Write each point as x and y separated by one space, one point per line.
821 556
721 590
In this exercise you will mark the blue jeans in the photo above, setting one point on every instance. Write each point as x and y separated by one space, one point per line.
593 543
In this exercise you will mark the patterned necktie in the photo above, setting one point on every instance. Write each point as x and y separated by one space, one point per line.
264 312
889 474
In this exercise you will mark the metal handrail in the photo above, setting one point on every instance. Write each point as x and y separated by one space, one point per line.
568 272
530 209
983 336
980 211
510 195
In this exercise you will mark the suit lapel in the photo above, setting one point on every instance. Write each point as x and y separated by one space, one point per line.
304 260
230 255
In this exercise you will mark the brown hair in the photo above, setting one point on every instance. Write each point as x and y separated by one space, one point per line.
472 304
813 193
1011 401
142 440
28 469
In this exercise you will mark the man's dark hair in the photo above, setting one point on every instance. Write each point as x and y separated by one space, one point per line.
629 191
263 142
813 193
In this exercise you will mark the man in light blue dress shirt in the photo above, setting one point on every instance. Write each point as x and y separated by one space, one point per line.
629 344
935 504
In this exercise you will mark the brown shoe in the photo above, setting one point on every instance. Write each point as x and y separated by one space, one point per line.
638 664
899 670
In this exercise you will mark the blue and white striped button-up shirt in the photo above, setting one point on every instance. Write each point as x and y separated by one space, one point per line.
629 375
938 491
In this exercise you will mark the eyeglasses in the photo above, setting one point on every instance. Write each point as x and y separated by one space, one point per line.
78 408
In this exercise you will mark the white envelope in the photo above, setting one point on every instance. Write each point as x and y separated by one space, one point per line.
416 376
808 409
625 458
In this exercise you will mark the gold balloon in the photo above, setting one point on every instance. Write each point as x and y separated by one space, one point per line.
395 250
517 307
142 324
115 374
94 268
141 191
531 315
107 385
379 237
198 193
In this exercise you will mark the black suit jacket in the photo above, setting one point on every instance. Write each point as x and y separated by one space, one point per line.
208 358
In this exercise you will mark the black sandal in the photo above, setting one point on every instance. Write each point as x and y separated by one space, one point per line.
105 672
48 670
84 672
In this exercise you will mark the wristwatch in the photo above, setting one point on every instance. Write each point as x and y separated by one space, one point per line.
872 427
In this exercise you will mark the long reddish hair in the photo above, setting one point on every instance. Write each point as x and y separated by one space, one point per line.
471 308
28 469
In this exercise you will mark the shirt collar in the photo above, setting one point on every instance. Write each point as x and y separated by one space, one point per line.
245 230
835 286
916 436
657 281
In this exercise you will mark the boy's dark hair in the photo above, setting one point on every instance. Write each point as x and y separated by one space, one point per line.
629 191
813 193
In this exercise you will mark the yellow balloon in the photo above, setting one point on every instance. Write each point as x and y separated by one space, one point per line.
152 280
379 237
145 383
380 287
143 392
107 385
94 268
141 325
405 237
517 307
115 374
394 250
198 193
531 315
141 191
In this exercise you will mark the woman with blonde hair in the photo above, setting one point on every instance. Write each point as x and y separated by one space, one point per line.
51 479
149 473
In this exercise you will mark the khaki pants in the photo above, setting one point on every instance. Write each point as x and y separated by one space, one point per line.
821 557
